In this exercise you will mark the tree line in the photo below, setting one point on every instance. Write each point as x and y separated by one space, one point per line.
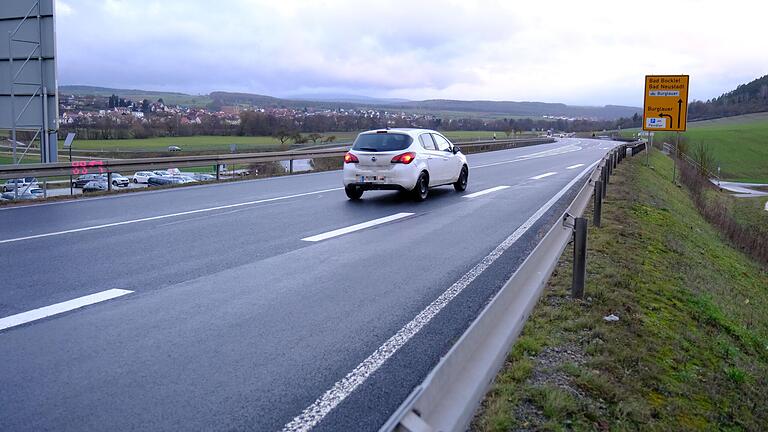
255 123
745 99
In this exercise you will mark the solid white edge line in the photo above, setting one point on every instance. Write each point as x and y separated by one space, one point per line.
59 308
541 176
574 166
356 227
486 191
314 413
109 225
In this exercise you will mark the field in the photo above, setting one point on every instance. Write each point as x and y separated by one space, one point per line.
689 350
739 144
222 143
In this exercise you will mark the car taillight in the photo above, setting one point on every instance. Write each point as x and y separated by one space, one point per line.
404 158
350 158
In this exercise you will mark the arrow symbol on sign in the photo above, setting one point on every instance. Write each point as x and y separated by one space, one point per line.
679 110
667 115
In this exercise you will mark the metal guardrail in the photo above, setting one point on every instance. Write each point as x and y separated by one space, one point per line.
447 399
118 165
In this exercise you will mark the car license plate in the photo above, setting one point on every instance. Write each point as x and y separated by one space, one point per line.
372 179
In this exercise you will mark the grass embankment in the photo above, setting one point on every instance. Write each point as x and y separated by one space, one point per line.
739 144
690 350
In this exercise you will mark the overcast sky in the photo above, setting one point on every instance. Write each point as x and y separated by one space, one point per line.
577 52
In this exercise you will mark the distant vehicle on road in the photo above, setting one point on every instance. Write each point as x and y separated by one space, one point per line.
117 179
411 160
96 186
174 148
12 184
85 179
142 176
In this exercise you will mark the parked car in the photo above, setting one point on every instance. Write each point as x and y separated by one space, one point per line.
203 177
174 148
184 179
29 194
142 176
12 184
412 160
117 179
163 181
95 186
85 179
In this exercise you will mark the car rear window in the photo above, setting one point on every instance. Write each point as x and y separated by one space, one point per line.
381 142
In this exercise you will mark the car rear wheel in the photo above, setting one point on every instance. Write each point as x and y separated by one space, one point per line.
353 192
135 181
461 183
421 190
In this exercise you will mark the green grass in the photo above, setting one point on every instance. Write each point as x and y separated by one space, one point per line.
739 144
7 160
196 143
222 143
690 351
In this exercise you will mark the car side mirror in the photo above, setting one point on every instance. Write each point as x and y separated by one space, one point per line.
456 149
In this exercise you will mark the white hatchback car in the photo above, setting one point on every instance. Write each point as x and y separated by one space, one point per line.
411 160
142 176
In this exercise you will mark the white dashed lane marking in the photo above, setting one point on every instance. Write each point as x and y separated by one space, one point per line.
541 176
58 308
574 166
357 227
486 191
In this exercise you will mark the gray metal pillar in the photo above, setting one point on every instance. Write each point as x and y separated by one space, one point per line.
598 205
109 180
579 257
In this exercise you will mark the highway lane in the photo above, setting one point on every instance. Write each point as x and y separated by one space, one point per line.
236 322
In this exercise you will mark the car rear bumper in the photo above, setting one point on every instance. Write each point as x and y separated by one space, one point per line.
397 177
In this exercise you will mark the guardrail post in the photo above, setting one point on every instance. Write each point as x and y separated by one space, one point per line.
598 206
109 180
605 181
218 172
290 166
579 257
614 158
45 188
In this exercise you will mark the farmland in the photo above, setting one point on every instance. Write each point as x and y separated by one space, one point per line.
739 144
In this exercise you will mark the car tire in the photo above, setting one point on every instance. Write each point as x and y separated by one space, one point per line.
135 181
461 183
421 190
114 183
353 192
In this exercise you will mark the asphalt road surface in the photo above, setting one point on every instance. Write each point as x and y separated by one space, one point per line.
258 305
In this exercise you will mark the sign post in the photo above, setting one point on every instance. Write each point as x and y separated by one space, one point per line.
665 106
68 144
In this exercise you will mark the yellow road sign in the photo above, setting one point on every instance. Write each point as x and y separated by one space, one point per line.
666 103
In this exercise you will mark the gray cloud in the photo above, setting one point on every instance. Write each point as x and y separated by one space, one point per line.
576 52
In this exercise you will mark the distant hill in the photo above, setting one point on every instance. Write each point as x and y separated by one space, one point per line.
331 97
745 99
537 109
171 98
478 108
